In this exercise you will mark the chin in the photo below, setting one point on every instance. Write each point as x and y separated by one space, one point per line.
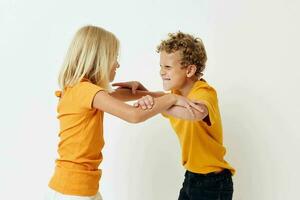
167 87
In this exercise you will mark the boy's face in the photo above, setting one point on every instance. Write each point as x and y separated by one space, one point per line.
173 74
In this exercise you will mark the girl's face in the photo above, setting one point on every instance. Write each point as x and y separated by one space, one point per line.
113 71
173 74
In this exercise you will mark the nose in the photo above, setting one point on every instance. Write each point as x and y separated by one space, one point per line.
161 71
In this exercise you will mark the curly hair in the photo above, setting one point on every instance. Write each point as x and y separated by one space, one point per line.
192 50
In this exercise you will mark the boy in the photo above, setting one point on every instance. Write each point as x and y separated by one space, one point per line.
182 61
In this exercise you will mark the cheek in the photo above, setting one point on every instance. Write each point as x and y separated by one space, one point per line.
113 69
178 76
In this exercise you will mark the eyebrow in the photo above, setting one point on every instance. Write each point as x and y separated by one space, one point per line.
166 66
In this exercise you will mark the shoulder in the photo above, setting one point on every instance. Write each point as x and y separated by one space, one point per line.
86 84
201 87
86 87
80 90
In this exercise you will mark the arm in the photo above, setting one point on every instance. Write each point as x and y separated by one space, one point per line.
132 90
103 101
183 113
125 94
193 113
129 91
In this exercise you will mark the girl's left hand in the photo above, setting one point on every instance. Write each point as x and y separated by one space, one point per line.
133 85
146 102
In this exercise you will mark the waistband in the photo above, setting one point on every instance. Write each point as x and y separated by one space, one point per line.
222 174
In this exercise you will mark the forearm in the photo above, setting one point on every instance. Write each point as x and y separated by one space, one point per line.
161 104
183 113
124 94
156 94
179 112
106 103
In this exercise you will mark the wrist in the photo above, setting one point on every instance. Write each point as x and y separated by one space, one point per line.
173 98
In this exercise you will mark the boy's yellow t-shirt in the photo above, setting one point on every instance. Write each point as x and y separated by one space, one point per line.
202 141
81 141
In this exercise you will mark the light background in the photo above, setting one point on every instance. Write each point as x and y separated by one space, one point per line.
253 62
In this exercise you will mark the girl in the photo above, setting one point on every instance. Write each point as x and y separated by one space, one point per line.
89 66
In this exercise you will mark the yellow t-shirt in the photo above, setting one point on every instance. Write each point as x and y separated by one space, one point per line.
81 141
202 141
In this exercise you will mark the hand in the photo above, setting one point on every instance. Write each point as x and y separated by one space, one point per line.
198 102
146 102
133 85
188 104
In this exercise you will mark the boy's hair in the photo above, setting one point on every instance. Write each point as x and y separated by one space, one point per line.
192 50
91 55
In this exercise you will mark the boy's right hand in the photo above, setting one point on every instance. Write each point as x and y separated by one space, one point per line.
188 104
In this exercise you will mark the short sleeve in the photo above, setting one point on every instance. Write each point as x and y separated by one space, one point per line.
86 92
208 96
165 115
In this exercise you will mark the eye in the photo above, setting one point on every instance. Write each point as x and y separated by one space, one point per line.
167 67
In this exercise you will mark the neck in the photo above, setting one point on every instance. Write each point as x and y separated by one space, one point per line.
187 86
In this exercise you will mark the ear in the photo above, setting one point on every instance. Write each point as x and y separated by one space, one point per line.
191 70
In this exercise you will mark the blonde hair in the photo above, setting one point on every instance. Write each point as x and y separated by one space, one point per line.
91 55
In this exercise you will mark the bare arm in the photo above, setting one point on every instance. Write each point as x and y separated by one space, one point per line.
125 94
132 90
183 113
188 113
107 103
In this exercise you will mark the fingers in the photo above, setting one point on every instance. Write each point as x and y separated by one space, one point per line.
134 87
148 101
142 103
198 102
188 107
197 107
151 99
123 84
145 102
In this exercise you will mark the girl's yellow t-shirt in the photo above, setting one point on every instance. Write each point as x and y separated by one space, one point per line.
81 141
202 141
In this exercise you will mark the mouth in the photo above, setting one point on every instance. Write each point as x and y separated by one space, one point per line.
166 79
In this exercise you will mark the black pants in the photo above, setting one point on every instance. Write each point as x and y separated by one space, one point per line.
207 186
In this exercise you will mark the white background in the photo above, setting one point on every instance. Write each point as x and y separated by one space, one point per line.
253 62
